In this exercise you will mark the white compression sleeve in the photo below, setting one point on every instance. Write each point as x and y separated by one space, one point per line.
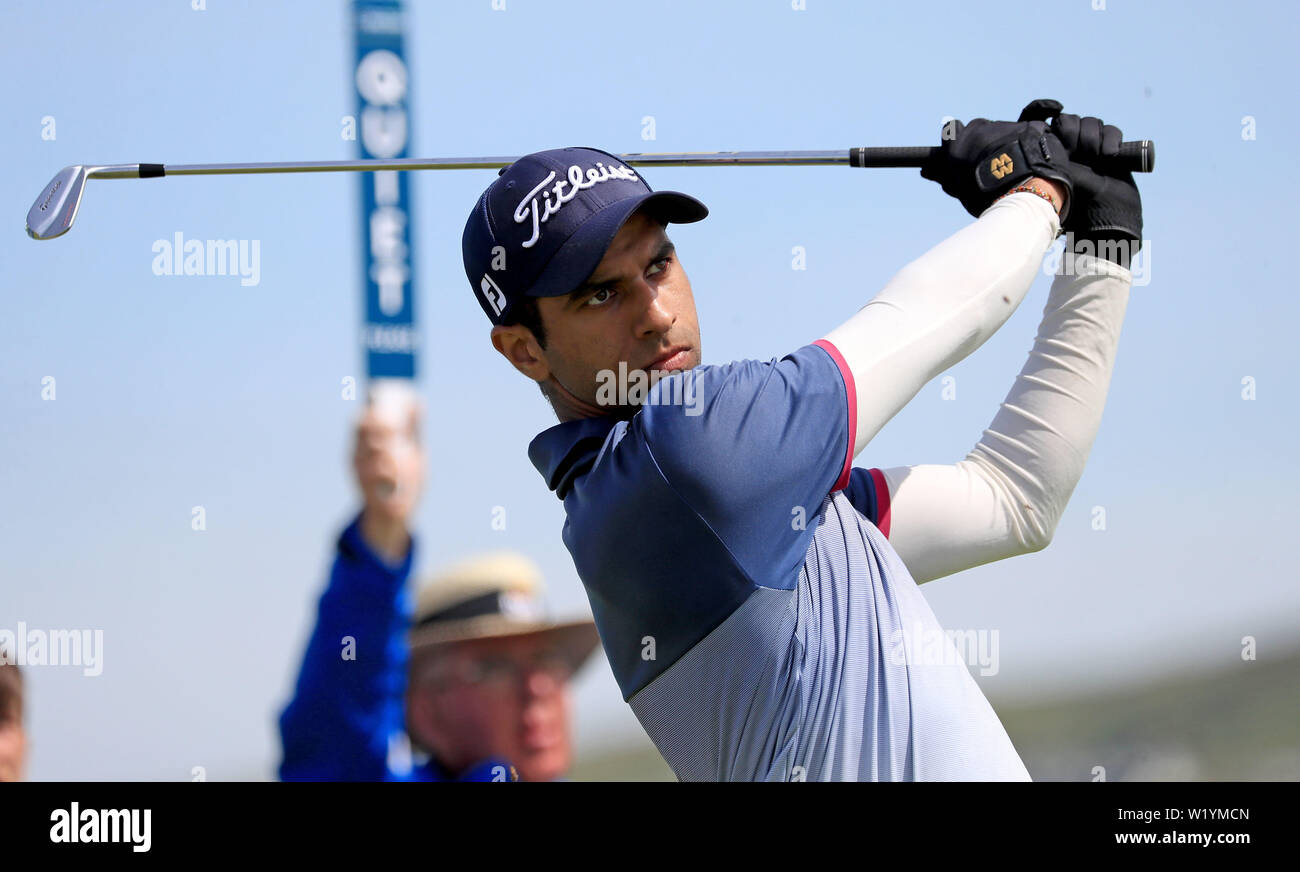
1007 496
942 306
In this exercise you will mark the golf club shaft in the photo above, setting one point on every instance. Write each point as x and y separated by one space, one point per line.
1135 156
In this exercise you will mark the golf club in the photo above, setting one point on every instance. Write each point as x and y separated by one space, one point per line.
56 208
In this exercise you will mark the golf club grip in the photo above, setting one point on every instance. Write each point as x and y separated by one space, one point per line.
1138 156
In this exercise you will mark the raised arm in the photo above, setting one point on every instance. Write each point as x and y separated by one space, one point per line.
1014 177
941 307
348 700
1007 496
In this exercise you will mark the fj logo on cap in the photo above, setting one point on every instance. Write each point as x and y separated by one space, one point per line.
1001 165
492 294
529 208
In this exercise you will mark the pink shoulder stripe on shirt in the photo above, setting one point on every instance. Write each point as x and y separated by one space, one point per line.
882 501
852 391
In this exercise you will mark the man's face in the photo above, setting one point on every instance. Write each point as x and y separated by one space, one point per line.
13 740
506 698
636 307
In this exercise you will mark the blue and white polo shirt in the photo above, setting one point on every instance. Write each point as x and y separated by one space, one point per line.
753 611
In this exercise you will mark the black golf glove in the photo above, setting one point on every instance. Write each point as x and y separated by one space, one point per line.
980 161
1107 208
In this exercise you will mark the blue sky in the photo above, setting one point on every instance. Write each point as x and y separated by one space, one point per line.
181 391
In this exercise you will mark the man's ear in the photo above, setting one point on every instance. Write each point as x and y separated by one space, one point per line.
517 344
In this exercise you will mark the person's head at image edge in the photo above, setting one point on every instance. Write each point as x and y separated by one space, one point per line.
568 254
489 673
13 738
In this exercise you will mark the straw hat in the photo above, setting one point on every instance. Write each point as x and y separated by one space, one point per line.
492 596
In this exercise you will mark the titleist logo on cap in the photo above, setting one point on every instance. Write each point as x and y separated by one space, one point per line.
528 206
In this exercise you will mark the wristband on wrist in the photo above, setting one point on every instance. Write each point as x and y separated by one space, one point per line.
1031 189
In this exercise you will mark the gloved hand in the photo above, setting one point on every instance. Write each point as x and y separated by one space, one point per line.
983 159
1107 208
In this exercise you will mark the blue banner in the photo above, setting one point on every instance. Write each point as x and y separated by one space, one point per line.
389 335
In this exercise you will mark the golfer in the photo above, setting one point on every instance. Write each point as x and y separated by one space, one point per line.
756 593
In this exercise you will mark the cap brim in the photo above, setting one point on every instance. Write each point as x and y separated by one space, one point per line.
575 638
583 251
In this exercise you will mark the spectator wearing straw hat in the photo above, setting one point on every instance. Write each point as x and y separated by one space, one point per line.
475 674
489 673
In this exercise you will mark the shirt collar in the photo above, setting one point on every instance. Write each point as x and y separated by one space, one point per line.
568 450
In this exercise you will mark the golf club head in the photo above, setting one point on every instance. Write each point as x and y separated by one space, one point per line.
56 207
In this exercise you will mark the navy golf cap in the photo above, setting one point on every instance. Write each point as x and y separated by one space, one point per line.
542 227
